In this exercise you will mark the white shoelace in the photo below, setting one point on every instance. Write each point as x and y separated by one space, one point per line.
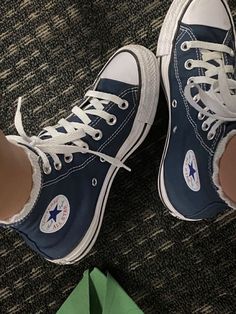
220 99
58 142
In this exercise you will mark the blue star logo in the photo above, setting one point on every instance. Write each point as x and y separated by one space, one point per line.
54 213
192 171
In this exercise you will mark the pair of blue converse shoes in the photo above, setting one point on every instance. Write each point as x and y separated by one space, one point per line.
74 162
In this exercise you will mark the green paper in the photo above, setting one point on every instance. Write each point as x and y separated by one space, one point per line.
78 301
97 291
98 294
117 300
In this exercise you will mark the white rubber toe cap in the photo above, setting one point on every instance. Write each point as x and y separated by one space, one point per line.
123 67
208 13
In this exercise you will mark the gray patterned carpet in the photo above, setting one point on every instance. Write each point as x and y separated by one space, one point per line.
50 52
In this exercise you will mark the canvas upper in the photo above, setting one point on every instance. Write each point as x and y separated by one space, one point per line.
194 138
76 160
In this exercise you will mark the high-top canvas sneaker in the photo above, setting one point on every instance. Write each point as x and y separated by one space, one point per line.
76 161
197 52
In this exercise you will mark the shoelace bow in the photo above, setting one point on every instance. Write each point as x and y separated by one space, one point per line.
58 142
220 100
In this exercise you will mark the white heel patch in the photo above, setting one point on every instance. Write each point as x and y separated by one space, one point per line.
56 215
190 171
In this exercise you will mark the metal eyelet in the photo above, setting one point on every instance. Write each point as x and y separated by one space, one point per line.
190 81
94 182
188 64
184 46
68 159
196 98
85 146
58 166
102 159
112 120
205 126
200 116
174 103
124 105
98 135
47 170
210 136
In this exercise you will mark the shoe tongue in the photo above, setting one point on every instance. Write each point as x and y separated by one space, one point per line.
230 126
105 86
208 33
112 86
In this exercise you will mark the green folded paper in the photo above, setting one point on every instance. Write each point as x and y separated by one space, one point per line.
98 294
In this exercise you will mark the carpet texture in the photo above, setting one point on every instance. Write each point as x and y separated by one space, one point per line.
50 52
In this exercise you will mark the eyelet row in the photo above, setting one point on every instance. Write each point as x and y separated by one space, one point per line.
206 127
112 121
97 136
189 63
189 66
68 159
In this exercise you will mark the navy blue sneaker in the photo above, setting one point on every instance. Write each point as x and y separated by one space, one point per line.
75 162
197 52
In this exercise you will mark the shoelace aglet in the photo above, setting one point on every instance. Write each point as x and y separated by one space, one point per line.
127 168
19 101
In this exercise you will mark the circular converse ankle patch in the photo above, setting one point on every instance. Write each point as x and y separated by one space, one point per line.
190 171
56 215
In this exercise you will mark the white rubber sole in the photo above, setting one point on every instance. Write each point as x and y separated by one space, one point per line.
149 96
164 51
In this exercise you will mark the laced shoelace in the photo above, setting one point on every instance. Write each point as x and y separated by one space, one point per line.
218 104
58 142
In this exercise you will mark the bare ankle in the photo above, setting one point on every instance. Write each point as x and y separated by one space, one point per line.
227 170
16 178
